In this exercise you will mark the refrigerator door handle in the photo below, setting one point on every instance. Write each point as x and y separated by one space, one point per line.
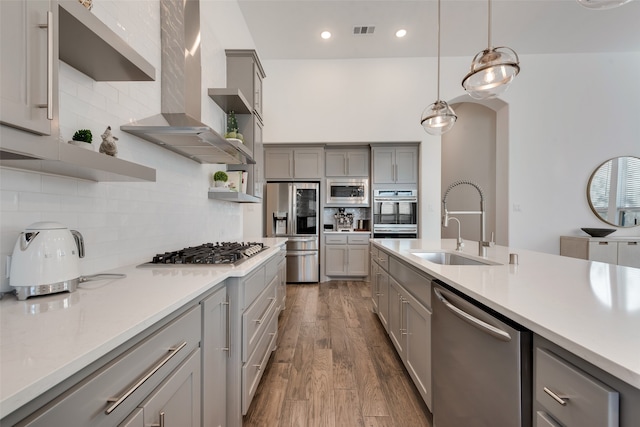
474 321
293 209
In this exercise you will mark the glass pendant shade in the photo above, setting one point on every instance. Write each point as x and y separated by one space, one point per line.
492 70
602 4
438 118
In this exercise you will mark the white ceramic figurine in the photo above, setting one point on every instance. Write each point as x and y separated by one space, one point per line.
108 145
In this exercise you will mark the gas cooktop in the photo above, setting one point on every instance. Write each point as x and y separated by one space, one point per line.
208 254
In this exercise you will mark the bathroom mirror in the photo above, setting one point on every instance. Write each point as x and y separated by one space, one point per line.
614 191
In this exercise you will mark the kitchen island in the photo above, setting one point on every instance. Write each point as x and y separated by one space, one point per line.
46 340
588 311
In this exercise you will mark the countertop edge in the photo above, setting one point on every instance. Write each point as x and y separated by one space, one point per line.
612 367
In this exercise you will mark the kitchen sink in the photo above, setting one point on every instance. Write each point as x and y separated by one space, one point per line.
449 258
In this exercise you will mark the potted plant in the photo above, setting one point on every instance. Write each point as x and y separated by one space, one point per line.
232 128
83 138
219 178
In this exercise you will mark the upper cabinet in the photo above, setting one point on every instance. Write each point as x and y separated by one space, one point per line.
34 34
395 165
353 162
29 66
293 163
245 72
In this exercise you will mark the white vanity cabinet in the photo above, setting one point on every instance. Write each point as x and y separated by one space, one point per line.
619 250
347 254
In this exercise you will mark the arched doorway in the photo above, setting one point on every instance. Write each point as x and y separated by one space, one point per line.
476 149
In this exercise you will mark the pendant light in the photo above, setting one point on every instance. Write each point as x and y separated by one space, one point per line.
602 4
492 70
438 117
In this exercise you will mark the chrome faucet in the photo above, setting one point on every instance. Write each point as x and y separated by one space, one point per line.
459 241
483 244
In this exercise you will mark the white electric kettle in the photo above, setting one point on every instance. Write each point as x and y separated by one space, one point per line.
46 260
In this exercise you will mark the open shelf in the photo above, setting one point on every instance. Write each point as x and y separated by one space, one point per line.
233 196
230 99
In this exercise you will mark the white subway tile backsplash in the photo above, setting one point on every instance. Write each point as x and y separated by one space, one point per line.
122 222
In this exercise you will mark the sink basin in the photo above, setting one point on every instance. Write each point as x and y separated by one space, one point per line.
448 258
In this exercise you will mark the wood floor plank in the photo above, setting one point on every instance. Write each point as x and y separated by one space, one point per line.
328 373
294 414
348 412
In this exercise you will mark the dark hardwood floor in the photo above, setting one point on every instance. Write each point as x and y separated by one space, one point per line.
334 365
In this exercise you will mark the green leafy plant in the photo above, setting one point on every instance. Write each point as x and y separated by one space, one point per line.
232 127
83 135
220 176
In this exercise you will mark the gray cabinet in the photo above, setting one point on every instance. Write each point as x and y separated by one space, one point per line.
352 162
282 279
176 402
215 352
620 250
347 254
293 163
29 65
395 165
115 390
33 35
245 72
570 397
404 308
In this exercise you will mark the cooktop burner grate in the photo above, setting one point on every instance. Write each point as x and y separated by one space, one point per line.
227 253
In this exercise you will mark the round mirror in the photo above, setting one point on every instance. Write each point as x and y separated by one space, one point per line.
614 191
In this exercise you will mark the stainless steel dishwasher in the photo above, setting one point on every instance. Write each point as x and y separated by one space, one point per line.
481 365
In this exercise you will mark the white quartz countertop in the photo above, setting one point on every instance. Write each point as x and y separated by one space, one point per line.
45 340
592 309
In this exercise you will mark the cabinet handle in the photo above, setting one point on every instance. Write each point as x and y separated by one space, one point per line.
116 401
49 104
266 311
560 399
161 421
228 340
266 356
603 243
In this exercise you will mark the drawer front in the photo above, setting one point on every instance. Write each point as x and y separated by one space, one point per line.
358 239
335 239
572 396
255 318
383 259
544 420
271 269
415 282
253 286
86 403
255 366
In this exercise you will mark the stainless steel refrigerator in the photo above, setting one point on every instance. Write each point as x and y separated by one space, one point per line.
292 210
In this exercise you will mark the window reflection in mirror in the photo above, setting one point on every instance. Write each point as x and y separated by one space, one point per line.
614 191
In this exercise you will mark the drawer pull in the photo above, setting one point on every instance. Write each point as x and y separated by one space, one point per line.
560 399
161 421
118 400
266 311
228 342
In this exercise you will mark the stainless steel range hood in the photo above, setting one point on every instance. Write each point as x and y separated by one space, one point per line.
178 128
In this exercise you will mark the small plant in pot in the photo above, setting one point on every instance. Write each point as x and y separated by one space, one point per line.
219 178
83 138
232 128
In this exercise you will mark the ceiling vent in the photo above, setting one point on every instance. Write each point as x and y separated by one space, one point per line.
364 29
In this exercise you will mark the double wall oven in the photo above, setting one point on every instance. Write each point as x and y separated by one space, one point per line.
395 214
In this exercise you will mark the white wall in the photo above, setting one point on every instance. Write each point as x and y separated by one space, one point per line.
559 128
127 223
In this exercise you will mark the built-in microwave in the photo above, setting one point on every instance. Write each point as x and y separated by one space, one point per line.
353 192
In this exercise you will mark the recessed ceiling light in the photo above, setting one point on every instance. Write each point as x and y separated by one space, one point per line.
401 33
325 35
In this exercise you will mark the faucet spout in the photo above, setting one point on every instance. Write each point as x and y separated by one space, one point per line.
482 245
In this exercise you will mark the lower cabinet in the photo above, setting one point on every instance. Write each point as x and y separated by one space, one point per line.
407 317
621 250
159 375
282 279
380 292
570 392
215 352
347 255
